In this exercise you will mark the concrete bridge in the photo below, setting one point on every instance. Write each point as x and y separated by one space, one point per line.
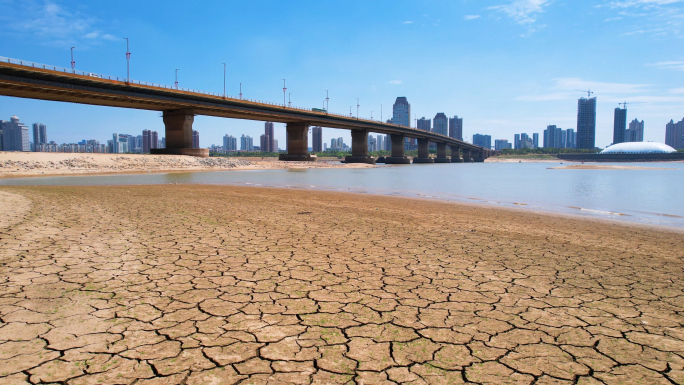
179 106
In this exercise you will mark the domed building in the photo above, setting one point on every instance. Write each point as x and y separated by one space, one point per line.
639 148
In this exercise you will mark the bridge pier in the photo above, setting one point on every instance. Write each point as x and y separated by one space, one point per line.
297 143
178 127
423 152
479 157
398 154
456 154
442 153
467 156
359 148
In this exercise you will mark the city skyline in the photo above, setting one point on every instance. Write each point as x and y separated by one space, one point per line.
505 66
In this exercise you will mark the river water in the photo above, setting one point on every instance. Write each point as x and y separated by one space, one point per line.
645 196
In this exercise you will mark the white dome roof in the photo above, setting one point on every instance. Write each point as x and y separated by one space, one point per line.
639 148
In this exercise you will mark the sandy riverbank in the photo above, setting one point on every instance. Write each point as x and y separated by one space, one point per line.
607 167
218 284
42 163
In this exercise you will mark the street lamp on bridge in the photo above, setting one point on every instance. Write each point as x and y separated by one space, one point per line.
327 101
224 80
357 108
289 99
128 63
176 78
73 63
284 91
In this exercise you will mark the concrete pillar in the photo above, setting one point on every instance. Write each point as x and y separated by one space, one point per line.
467 156
479 156
398 156
442 153
359 148
423 152
456 154
298 143
178 127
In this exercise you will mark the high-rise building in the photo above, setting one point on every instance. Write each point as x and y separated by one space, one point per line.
424 124
150 140
522 141
482 140
674 134
401 112
554 137
381 142
619 125
246 143
502 144
316 138
15 135
119 144
635 132
570 138
268 144
535 140
586 123
401 115
195 139
229 143
372 143
456 128
275 145
39 134
440 124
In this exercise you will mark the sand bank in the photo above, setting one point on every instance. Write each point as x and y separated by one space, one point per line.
42 163
607 167
219 284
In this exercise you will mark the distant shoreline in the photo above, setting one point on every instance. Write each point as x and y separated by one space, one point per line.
36 164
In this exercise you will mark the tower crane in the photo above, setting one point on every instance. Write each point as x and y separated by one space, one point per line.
624 104
589 92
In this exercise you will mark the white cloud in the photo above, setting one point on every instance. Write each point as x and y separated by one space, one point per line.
57 25
642 3
572 88
522 11
471 17
677 90
408 22
613 19
669 65
395 82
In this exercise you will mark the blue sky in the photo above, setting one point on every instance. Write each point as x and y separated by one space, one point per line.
505 66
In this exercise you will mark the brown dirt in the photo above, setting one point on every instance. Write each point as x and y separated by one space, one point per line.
218 285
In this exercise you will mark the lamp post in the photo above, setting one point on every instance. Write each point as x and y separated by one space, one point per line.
381 113
224 80
357 108
240 91
73 63
128 62
371 115
289 99
327 101
176 78
284 91
350 114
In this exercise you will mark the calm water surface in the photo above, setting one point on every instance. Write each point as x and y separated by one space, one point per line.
646 196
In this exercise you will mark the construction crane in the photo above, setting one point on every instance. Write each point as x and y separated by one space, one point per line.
624 104
589 92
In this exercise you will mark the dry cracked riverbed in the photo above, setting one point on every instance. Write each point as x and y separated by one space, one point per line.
220 285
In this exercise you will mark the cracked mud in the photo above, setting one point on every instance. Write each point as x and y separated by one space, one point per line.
220 285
